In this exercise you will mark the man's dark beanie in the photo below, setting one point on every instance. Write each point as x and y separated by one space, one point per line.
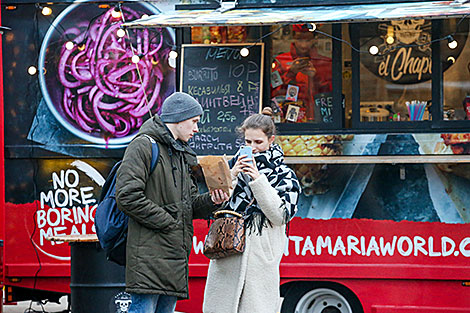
179 107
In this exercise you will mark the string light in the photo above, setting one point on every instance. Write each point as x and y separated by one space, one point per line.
312 27
389 39
69 45
173 54
116 13
135 59
373 50
121 33
144 16
244 52
46 11
451 59
32 70
451 42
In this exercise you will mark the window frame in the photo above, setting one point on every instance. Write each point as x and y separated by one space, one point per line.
435 125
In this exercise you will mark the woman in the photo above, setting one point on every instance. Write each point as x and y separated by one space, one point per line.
266 191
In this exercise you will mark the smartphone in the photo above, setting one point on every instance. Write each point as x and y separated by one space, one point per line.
302 60
248 151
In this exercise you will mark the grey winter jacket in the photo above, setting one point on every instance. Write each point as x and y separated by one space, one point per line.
161 209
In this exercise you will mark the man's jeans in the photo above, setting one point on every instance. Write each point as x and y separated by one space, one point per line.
150 303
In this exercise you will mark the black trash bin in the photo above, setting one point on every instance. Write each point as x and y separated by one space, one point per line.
97 285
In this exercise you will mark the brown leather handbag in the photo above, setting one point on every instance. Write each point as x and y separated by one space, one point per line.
226 235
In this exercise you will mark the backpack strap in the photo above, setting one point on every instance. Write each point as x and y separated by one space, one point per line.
155 153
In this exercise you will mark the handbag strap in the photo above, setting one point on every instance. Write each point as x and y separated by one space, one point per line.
228 212
232 212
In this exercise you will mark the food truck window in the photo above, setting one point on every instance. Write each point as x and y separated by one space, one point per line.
455 54
395 71
301 74
224 34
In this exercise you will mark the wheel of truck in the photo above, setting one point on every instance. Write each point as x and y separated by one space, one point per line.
320 299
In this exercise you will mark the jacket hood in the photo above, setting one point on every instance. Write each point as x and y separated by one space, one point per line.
155 128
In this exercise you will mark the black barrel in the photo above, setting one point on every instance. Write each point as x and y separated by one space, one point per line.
97 285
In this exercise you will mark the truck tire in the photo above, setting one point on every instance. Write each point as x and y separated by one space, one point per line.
320 298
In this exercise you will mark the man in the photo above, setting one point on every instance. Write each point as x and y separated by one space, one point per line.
303 67
161 206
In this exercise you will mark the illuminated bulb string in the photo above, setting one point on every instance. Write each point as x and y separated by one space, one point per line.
46 11
313 26
134 58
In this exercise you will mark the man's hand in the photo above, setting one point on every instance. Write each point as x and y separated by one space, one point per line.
299 64
309 70
219 196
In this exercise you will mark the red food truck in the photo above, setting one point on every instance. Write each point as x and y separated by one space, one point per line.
378 139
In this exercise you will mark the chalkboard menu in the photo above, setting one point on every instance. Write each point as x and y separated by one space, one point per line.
229 88
324 107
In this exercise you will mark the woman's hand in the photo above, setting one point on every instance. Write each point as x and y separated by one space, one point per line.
250 169
219 196
237 168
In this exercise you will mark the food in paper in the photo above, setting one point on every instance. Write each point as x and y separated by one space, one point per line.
216 172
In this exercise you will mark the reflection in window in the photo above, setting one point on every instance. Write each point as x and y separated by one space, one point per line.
455 54
301 78
224 34
395 70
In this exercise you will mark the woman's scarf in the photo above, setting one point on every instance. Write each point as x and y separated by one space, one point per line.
280 176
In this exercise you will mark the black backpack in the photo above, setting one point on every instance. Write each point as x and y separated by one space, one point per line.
110 222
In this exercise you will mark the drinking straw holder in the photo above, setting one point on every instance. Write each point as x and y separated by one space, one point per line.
416 109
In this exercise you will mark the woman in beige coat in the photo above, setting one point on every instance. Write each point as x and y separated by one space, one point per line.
249 282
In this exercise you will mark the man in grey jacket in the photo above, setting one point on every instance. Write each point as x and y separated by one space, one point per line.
161 206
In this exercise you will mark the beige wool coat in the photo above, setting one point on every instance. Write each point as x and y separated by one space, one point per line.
249 282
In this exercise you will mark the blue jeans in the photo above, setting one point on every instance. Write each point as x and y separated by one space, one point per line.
150 303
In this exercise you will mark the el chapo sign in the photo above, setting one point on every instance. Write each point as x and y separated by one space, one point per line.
405 55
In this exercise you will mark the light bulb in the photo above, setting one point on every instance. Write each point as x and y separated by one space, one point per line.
173 54
69 45
273 65
373 50
390 40
312 27
116 13
32 70
135 59
144 16
244 52
121 33
46 11
451 59
172 62
452 44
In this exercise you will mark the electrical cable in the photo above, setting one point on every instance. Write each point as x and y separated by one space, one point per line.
398 46
133 50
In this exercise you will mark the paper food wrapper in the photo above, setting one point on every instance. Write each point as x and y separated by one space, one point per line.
216 172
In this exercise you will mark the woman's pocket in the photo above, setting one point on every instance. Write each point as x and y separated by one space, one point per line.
266 244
